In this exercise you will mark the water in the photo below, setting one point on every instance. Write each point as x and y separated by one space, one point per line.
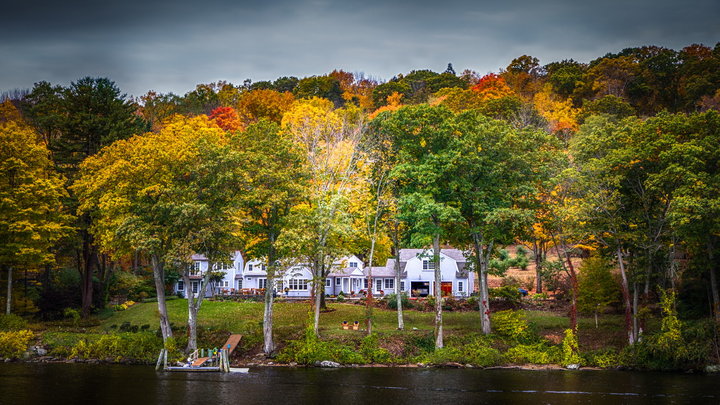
113 384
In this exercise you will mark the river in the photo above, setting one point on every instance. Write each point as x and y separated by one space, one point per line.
58 384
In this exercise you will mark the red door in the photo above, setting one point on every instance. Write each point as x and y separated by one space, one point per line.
446 288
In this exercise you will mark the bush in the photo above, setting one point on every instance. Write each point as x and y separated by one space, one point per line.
507 293
476 351
570 349
140 347
673 348
311 349
604 358
372 352
539 353
597 287
12 322
392 301
72 314
511 325
14 343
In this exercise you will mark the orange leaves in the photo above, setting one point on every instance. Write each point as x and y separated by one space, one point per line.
393 104
269 104
226 118
492 86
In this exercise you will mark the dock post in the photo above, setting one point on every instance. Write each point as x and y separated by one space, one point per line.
162 359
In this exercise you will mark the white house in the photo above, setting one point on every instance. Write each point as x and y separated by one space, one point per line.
417 277
199 268
347 276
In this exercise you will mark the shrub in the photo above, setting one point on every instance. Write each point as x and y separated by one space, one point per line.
73 314
507 293
14 343
604 358
12 322
511 324
311 349
140 347
597 287
392 301
539 353
476 351
570 349
372 352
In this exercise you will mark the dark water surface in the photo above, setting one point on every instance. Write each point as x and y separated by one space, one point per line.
61 384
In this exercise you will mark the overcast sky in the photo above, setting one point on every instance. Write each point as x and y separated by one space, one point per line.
172 45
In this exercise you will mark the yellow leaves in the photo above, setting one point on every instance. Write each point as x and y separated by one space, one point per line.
560 114
423 142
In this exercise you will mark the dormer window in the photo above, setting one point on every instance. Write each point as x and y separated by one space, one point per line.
353 264
428 264
250 267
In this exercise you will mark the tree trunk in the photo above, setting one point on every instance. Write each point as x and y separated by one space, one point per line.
368 295
87 265
159 276
484 302
636 329
574 293
713 278
438 293
317 288
8 305
268 343
538 267
626 296
398 278
194 306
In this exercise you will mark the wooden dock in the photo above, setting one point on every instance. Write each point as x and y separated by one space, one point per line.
215 360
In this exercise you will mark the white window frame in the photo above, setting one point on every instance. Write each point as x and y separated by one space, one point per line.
180 285
365 282
328 283
402 285
239 283
298 284
389 284
338 281
378 285
195 287
262 283
460 286
250 267
353 264
428 265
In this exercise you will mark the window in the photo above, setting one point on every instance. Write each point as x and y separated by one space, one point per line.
222 266
195 269
337 280
262 283
225 284
353 264
239 283
250 267
297 284
262 267
460 286
181 285
378 284
365 283
389 283
194 287
402 286
428 265
327 282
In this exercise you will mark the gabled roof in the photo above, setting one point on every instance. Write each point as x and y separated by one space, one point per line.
455 254
381 271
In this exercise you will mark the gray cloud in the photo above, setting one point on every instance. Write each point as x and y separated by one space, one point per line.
173 45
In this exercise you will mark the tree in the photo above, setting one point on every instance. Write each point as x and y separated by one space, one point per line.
78 121
597 287
277 170
329 140
497 175
32 219
158 193
427 154
259 104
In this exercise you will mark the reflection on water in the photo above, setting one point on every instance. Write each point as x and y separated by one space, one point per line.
112 384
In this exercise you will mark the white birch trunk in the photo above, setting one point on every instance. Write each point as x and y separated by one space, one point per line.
438 293
159 276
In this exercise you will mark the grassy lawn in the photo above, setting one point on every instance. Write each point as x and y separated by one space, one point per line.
291 318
